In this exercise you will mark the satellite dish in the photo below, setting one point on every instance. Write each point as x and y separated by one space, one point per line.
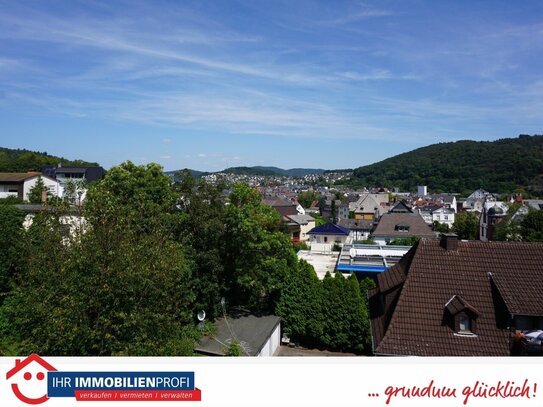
201 315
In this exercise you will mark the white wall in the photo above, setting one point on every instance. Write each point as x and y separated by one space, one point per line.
304 229
272 343
51 184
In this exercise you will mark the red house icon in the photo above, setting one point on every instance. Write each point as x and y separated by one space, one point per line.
19 366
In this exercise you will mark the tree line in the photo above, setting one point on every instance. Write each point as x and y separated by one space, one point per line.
150 254
20 160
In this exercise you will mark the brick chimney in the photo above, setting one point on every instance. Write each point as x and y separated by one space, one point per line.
449 241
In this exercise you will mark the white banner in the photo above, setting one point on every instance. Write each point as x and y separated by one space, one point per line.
273 382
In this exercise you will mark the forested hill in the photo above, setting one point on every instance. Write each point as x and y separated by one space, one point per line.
497 166
25 160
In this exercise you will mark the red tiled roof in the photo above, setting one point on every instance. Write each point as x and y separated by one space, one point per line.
494 279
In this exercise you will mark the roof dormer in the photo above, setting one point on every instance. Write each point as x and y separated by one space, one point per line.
460 316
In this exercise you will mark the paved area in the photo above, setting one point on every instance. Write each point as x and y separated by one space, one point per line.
321 262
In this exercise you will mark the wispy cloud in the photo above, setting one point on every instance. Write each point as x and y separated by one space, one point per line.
358 15
320 72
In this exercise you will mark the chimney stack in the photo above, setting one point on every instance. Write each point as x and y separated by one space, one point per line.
449 241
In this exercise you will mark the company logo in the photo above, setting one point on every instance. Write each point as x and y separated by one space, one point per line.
30 376
34 381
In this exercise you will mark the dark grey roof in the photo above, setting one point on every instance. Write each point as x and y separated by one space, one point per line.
250 331
417 226
301 219
91 174
356 224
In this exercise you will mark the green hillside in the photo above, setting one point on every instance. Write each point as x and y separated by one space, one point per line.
21 160
499 166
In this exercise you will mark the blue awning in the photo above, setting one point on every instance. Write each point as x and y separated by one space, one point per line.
357 268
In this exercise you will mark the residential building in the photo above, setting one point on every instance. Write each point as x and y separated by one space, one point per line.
400 226
80 176
369 206
493 213
74 173
440 214
19 184
360 229
302 224
343 211
324 237
457 298
400 207
475 202
285 207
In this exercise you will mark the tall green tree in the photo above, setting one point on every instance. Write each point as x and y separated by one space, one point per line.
466 226
12 250
200 228
301 306
35 195
345 314
121 288
531 227
306 198
258 253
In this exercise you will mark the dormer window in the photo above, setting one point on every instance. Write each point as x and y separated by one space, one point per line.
464 323
401 228
460 316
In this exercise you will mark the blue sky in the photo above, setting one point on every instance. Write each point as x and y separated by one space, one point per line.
212 84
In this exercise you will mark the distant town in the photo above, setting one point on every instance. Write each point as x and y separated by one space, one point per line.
424 272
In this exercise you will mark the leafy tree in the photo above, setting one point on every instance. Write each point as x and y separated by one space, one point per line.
300 305
507 230
258 253
306 198
531 227
346 325
35 195
74 190
466 226
200 228
11 200
234 349
121 288
11 246
405 241
440 227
